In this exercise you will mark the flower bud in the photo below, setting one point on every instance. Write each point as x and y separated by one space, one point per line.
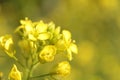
14 73
6 43
47 54
63 68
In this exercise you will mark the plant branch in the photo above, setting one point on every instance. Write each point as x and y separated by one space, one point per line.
43 75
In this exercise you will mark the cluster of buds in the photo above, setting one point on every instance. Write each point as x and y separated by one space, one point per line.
41 42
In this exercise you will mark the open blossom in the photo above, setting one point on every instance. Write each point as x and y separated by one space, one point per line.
66 43
33 30
47 54
14 73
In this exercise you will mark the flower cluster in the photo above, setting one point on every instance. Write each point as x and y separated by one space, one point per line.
45 39
39 42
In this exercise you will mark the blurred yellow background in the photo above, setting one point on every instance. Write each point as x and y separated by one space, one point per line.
94 24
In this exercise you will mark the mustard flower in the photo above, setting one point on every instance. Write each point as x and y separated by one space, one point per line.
63 68
14 74
47 53
66 43
33 30
54 31
6 42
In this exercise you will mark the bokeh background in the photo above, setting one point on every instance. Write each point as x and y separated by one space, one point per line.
94 24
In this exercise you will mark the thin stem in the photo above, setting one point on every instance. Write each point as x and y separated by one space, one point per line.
30 67
43 75
20 63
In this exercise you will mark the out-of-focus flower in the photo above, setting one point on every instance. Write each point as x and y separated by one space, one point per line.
63 68
1 75
27 47
55 32
14 73
47 54
66 43
6 43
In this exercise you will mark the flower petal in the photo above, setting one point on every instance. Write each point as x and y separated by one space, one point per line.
66 35
44 36
73 48
41 27
69 54
51 27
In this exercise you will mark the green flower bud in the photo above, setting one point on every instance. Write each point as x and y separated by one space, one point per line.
47 54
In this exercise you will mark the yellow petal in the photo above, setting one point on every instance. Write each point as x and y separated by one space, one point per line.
66 35
41 27
69 54
73 48
8 43
23 22
57 30
28 28
44 36
31 37
51 26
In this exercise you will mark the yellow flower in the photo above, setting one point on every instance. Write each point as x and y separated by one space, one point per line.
71 49
1 75
6 43
14 73
47 54
66 43
55 32
33 30
66 36
41 27
63 68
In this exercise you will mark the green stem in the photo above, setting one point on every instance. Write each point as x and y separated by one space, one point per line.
43 75
30 68
20 63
